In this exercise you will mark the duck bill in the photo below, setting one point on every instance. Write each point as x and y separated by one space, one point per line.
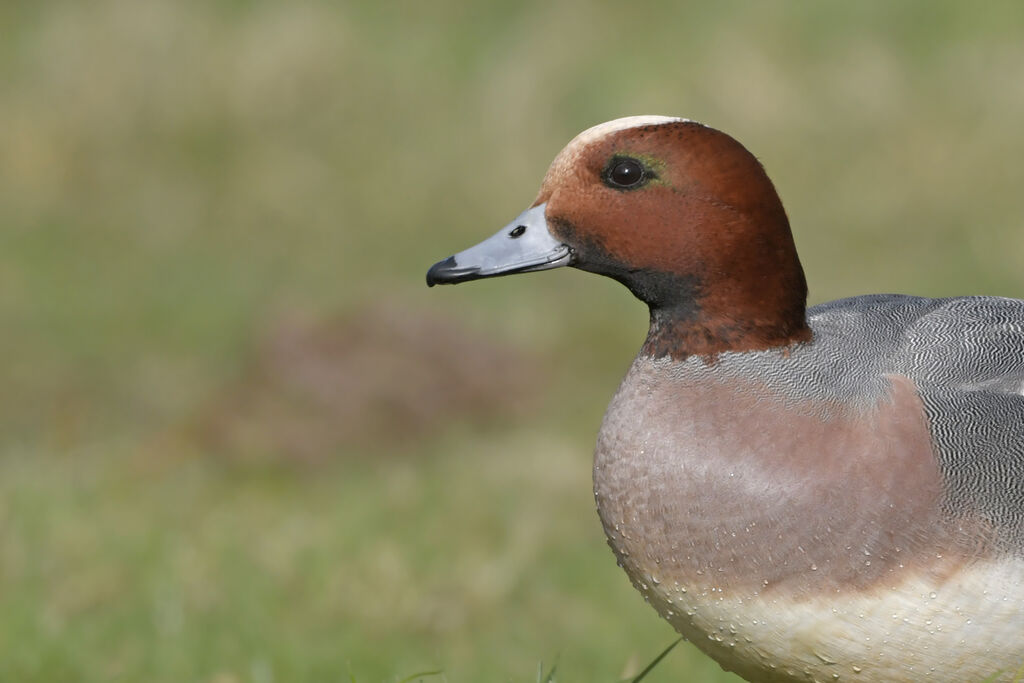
522 246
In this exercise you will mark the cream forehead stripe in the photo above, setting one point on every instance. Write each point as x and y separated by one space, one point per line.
568 156
615 125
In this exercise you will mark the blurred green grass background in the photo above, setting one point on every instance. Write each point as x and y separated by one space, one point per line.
221 463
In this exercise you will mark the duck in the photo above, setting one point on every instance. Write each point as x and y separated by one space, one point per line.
833 493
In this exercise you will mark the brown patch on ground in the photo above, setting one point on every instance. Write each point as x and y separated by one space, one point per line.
375 378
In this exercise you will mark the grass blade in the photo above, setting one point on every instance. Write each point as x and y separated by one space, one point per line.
657 659
550 677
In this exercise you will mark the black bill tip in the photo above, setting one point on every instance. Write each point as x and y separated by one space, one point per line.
448 273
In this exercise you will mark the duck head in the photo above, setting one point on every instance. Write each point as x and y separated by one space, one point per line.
681 214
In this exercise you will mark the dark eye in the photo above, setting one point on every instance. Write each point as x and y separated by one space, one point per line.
625 173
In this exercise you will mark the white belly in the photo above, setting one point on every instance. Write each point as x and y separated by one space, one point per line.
969 628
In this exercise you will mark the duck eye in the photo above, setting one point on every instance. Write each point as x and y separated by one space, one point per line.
625 173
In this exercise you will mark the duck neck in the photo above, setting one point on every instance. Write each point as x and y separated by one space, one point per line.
697 326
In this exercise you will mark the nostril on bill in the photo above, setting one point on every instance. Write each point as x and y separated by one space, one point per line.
517 231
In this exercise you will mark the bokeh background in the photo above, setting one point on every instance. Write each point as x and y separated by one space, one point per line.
242 441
